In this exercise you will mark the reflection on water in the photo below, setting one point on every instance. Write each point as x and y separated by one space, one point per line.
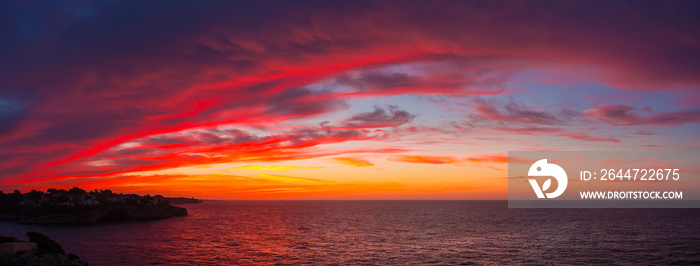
386 232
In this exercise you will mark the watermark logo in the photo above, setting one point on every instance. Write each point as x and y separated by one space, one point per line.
606 179
542 168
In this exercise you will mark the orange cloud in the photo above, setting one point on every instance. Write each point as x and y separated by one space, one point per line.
283 178
426 159
354 162
497 158
489 159
273 168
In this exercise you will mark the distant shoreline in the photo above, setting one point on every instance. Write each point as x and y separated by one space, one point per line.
182 200
79 207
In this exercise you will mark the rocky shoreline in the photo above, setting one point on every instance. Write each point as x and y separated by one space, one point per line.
40 250
76 207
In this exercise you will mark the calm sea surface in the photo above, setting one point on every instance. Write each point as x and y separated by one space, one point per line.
386 232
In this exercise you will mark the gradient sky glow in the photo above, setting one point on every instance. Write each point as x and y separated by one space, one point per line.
334 100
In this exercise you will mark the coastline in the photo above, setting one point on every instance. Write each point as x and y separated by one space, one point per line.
79 207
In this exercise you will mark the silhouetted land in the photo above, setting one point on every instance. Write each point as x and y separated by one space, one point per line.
77 206
182 200
46 252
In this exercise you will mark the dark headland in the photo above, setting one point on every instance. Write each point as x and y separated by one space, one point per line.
77 206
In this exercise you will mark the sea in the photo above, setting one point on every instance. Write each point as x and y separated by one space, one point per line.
385 233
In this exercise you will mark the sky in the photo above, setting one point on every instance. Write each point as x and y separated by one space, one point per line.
334 99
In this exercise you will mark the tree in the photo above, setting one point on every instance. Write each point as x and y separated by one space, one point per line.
76 191
35 195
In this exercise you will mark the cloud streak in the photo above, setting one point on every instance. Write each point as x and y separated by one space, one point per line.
354 162
626 115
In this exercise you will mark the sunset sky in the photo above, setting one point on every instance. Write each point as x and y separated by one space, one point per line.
334 100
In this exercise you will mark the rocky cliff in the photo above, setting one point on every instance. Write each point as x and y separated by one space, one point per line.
79 207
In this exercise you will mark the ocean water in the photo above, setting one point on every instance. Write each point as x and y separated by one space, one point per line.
386 232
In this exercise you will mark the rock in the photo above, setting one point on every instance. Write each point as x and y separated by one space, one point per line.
4 239
8 217
106 215
40 251
17 247
46 244
35 258
50 219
